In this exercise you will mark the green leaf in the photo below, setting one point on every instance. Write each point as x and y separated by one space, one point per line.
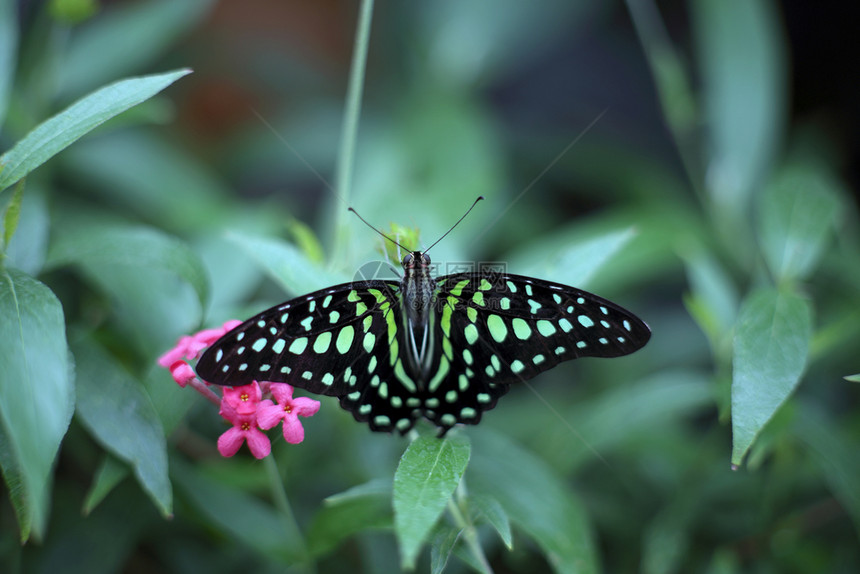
236 513
853 378
535 499
36 392
441 547
27 248
14 480
744 81
835 452
8 52
53 135
770 349
171 401
151 27
285 264
667 538
120 416
361 508
150 276
609 422
713 301
97 244
110 473
72 12
427 475
798 211
579 263
372 488
490 508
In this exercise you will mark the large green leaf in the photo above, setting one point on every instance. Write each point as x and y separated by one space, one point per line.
285 264
713 300
770 349
236 513
120 416
27 248
111 472
55 134
36 392
797 213
493 512
98 244
535 499
426 477
835 451
743 77
361 508
573 264
149 275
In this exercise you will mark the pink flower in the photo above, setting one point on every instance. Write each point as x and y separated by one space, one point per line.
287 410
244 429
244 399
189 347
182 373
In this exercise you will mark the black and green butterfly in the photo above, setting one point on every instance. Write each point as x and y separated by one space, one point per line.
442 348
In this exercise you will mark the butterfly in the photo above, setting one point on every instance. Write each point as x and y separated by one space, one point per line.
444 348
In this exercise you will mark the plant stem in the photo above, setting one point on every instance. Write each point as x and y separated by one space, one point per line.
470 534
349 128
282 503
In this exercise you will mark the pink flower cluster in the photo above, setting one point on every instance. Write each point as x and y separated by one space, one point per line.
244 407
190 347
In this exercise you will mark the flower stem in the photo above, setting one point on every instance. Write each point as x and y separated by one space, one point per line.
282 503
470 533
204 390
349 129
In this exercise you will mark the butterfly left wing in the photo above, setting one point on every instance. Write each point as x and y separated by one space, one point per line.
502 329
322 342
337 341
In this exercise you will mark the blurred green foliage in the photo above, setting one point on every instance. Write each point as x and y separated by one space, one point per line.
660 168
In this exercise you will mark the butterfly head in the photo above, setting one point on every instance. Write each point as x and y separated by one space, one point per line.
415 260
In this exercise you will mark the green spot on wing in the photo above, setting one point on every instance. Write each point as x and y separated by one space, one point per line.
471 333
497 327
322 342
521 329
299 345
345 339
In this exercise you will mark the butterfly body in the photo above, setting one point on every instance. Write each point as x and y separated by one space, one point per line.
442 348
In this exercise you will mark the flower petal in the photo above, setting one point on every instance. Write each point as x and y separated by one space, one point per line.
294 433
228 412
282 392
182 373
259 443
269 414
177 353
230 441
244 398
303 406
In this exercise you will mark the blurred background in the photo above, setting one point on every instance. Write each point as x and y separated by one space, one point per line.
622 147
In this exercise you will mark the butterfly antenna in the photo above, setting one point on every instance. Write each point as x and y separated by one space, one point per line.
480 197
378 231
